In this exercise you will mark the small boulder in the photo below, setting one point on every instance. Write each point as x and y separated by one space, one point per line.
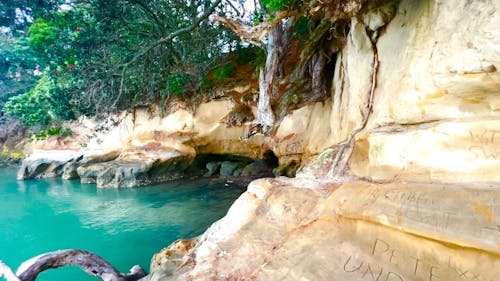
213 168
254 168
227 168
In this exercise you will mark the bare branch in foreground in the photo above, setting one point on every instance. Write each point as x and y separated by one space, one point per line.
7 273
87 261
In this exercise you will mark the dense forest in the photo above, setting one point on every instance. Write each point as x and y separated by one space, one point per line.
62 59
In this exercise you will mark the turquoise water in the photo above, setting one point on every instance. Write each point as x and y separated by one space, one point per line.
125 227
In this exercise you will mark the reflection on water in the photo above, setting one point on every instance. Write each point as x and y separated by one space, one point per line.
124 226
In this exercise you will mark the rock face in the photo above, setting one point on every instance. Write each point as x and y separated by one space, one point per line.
404 181
285 229
134 149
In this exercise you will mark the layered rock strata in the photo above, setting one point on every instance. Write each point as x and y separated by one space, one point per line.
283 229
405 185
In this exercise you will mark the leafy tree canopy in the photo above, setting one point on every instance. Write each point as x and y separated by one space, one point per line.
18 14
111 55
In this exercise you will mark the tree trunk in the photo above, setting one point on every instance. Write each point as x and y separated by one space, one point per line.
272 73
268 80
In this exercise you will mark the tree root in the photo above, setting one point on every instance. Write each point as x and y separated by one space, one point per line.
344 153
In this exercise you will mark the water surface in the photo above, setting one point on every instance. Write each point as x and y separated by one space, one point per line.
125 227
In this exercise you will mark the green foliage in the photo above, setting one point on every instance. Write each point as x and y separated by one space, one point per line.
301 28
206 83
224 71
276 5
17 14
88 49
238 65
257 17
33 107
40 105
103 56
17 63
42 34
252 56
53 131
176 83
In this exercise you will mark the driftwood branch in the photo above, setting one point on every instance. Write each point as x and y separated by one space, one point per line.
87 261
7 273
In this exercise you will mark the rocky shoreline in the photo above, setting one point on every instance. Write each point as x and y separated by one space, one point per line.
140 148
398 175
134 168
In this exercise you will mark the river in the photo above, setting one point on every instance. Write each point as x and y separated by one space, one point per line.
125 226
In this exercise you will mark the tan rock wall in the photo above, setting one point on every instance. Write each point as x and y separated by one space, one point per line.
438 60
435 105
305 131
297 230
444 151
427 149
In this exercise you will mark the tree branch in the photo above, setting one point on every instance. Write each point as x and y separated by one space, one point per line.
151 14
166 39
234 8
251 34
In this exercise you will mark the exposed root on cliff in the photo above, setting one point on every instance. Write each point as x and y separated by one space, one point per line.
339 166
89 262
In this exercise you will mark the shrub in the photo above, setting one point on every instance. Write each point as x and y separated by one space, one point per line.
206 83
34 106
176 83
53 131
252 55
42 34
224 72
40 105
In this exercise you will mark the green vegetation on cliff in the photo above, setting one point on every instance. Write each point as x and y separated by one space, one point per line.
102 56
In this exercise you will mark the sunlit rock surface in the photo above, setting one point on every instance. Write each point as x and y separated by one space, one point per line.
298 230
403 182
141 147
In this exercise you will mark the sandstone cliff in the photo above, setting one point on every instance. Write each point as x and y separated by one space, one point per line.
399 166
404 184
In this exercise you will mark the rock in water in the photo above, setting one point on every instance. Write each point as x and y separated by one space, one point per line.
227 168
135 168
46 164
213 168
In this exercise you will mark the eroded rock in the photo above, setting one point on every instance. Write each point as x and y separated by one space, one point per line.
46 164
286 229
89 157
164 263
135 168
213 168
404 181
227 169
